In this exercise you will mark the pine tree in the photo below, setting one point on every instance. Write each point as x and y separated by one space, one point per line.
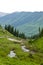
14 31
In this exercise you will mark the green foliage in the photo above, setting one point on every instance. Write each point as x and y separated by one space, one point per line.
22 58
41 64
30 55
14 31
40 34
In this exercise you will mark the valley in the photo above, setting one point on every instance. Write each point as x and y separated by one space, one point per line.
17 47
27 22
15 50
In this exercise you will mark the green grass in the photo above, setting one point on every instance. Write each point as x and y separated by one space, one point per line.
38 44
37 47
22 58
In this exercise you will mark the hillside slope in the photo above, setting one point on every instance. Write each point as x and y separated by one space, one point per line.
27 22
8 44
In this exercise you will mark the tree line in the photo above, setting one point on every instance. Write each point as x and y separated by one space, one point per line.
15 32
40 34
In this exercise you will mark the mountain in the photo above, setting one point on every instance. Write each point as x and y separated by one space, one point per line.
2 14
27 22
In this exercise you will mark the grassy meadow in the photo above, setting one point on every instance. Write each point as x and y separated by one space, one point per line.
21 58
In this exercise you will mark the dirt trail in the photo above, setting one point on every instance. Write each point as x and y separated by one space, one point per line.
22 47
11 39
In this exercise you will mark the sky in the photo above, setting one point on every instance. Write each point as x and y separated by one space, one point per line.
9 6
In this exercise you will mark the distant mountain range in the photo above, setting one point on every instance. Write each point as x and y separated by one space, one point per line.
27 22
2 14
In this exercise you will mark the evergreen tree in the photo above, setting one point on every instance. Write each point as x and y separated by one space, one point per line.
41 32
9 28
14 31
17 32
6 27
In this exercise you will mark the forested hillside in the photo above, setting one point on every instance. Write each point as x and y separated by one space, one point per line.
27 22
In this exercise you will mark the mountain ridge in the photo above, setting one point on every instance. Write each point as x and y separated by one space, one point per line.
3 14
27 22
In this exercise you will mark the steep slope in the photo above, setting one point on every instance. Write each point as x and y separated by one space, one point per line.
27 22
21 58
6 46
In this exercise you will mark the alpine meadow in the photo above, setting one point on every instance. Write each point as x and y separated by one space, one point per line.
21 32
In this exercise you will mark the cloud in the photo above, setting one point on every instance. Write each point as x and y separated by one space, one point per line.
21 5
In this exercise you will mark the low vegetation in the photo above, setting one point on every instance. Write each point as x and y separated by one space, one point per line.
33 57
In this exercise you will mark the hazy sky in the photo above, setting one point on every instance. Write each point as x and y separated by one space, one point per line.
9 6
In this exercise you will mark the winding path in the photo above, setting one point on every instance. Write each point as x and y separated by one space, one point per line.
12 54
22 47
11 39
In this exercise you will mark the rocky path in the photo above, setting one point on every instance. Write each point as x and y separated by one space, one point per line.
23 47
11 39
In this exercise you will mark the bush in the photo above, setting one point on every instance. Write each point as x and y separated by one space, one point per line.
30 55
41 64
